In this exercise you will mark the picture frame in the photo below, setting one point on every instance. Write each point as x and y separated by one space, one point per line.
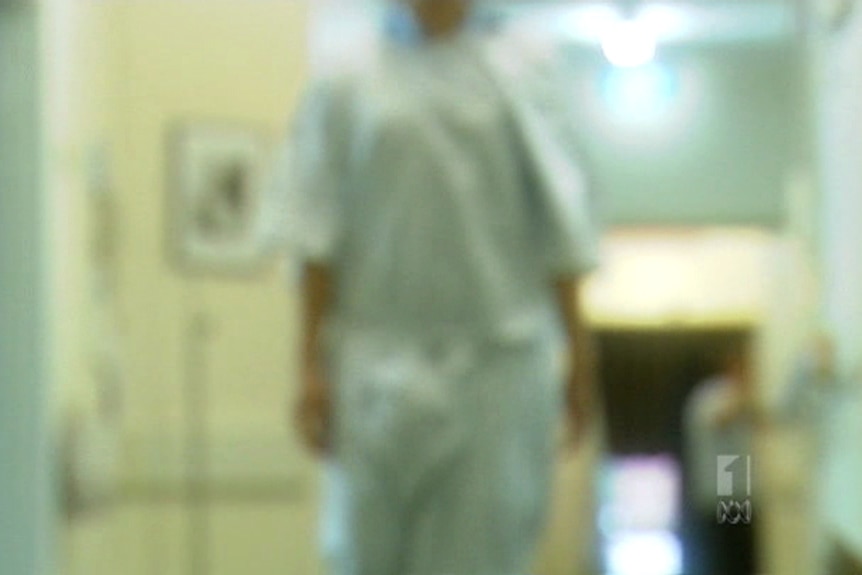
216 182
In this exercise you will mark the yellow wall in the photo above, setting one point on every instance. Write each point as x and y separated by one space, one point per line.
155 65
76 115
240 63
78 111
681 278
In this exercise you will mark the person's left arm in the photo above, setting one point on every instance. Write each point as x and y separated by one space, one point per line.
581 393
310 181
314 409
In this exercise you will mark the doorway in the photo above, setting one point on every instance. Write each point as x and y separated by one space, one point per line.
647 377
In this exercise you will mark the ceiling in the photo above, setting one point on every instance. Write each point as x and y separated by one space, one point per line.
673 22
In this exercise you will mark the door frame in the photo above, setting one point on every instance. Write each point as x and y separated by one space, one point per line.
27 489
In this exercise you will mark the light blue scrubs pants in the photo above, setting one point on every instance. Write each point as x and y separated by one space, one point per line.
444 454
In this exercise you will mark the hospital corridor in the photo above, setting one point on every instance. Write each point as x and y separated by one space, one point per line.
430 287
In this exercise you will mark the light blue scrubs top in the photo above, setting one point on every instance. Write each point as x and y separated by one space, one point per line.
437 181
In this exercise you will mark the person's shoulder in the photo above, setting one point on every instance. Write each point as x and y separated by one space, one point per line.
523 49
342 70
707 393
714 385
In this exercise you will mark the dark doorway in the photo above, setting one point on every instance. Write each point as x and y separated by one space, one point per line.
646 377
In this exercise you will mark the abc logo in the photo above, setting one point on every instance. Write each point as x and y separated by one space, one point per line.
731 512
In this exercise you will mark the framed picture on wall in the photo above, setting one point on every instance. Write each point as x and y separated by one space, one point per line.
216 182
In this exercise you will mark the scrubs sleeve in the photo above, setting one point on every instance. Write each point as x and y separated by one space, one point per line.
306 185
563 217
539 85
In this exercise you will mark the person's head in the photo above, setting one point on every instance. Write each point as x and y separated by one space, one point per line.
823 350
439 17
735 362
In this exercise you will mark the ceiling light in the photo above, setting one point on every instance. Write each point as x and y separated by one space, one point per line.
628 44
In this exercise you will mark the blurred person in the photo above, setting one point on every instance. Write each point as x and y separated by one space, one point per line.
433 195
721 419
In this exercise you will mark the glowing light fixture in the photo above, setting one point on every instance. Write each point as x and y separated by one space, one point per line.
629 43
640 94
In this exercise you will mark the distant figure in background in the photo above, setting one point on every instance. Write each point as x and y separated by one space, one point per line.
722 416
443 223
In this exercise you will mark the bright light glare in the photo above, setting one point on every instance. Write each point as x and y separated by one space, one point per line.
655 553
629 44
643 493
640 94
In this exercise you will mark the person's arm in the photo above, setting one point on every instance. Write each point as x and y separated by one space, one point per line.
314 409
315 177
580 391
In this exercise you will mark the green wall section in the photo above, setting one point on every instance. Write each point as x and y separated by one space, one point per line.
718 150
25 503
